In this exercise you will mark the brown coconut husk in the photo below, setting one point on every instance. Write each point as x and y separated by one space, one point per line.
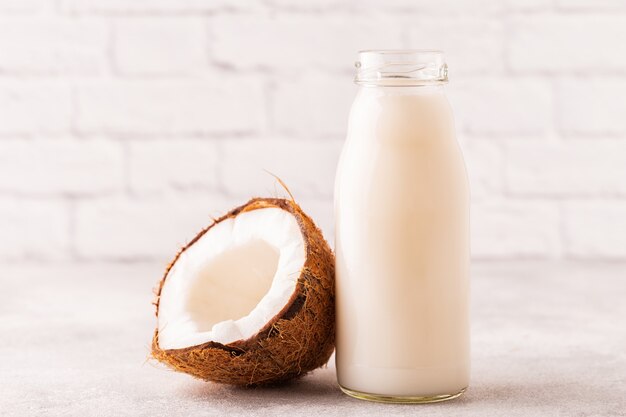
298 339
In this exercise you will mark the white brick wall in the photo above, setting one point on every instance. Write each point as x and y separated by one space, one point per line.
169 165
480 53
125 125
290 42
585 168
506 106
38 106
124 7
34 230
306 166
41 45
22 6
131 229
515 229
595 229
591 105
216 103
484 161
61 167
565 43
165 46
323 103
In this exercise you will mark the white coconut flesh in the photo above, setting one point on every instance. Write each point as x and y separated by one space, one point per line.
232 281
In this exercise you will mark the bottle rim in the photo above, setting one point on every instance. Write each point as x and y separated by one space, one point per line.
401 67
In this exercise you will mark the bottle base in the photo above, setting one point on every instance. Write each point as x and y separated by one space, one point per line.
401 399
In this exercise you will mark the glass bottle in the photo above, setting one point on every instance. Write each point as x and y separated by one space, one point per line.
402 236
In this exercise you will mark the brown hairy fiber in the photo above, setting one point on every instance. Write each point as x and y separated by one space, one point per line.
297 340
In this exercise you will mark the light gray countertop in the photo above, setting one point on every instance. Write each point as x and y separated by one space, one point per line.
547 340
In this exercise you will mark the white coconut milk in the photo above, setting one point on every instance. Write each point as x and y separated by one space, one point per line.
402 248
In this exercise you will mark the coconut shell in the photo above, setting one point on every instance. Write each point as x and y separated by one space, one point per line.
297 340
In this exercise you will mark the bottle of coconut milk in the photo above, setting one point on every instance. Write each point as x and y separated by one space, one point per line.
402 236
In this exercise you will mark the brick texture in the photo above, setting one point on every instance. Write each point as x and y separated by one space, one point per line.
126 229
124 125
162 166
307 167
145 46
591 5
71 167
165 7
484 160
580 168
44 45
13 7
35 107
474 45
152 107
565 43
292 42
34 230
323 103
591 106
515 230
595 230
503 106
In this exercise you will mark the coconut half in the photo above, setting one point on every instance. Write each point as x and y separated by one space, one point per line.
250 300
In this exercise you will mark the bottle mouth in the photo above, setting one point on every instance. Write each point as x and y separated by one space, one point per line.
401 67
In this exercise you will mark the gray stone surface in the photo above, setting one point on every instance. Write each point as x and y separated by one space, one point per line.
548 340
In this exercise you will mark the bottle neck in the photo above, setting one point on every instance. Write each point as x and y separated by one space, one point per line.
401 90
